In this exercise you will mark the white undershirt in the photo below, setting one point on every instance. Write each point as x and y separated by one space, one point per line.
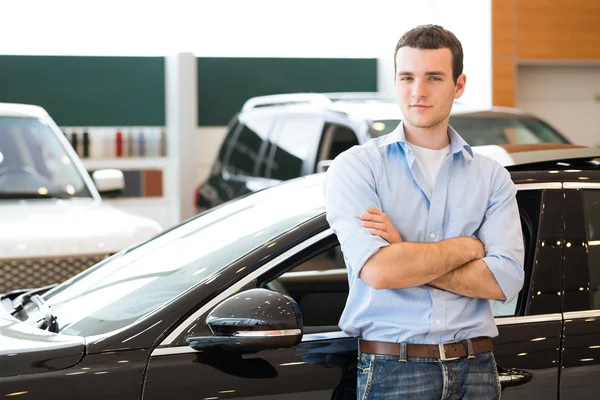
429 162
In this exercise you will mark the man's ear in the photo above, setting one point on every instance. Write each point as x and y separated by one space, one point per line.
459 89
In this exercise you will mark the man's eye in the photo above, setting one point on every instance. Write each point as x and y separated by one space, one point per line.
435 78
406 78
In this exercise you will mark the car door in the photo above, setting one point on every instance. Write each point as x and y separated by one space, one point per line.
581 292
527 346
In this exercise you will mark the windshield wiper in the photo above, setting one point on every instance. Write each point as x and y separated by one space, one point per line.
34 195
48 320
23 297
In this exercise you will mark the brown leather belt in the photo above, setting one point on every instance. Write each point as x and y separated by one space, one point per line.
442 351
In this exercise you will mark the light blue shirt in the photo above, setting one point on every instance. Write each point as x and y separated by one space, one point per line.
472 196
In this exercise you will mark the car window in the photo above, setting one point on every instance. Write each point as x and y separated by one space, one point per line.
33 161
591 209
247 147
335 140
294 139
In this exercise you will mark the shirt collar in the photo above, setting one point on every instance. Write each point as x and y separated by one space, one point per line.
457 143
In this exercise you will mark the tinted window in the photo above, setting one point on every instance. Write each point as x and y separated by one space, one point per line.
320 287
247 148
335 140
591 209
294 140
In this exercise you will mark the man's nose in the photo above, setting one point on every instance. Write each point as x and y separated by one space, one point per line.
418 89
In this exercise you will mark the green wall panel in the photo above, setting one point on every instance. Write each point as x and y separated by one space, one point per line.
224 84
88 91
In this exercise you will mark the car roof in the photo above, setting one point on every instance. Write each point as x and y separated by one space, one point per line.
22 110
366 105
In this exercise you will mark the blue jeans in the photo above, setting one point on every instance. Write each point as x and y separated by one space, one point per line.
384 377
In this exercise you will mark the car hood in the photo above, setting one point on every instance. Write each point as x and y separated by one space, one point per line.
27 350
55 227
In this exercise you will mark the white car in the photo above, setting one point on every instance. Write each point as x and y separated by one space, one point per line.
53 222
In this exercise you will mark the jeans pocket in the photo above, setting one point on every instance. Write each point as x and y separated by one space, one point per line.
366 364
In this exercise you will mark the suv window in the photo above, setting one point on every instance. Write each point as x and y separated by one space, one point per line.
247 147
591 210
294 140
335 140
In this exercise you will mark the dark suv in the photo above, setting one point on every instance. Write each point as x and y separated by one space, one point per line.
280 137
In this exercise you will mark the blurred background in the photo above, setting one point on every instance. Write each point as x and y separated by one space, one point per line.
173 74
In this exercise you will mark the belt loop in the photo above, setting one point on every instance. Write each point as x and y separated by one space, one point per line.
358 356
403 353
470 352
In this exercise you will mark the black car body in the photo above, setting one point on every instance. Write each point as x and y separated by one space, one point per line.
281 137
243 301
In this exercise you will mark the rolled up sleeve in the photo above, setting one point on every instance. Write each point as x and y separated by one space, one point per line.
502 235
349 188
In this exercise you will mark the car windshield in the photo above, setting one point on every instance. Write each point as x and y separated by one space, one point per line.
481 131
33 162
128 286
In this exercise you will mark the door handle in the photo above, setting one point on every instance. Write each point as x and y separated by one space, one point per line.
513 377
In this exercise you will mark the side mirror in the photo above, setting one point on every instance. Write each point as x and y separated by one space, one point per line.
323 165
109 181
253 320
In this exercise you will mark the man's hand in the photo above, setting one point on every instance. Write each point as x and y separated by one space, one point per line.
380 225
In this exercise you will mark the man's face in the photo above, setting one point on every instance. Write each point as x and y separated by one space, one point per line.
424 85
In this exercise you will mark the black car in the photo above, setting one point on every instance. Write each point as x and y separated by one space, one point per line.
243 302
281 137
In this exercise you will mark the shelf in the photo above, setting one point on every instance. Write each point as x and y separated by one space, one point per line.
126 164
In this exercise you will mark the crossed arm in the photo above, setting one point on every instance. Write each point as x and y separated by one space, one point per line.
452 265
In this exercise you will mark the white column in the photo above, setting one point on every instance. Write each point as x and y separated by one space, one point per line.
181 111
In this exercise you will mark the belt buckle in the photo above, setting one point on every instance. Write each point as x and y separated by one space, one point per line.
442 351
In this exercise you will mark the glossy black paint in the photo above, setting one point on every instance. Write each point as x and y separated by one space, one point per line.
321 367
243 321
26 350
110 375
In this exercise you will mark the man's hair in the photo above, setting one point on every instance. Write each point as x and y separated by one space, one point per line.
433 37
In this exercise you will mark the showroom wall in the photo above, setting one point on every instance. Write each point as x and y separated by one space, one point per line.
546 60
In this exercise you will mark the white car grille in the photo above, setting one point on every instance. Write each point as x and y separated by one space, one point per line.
37 272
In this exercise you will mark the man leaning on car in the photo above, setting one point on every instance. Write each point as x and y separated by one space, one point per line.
430 233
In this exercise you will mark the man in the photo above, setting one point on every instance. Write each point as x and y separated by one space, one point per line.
430 233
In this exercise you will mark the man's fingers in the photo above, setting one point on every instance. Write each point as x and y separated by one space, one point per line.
372 217
376 225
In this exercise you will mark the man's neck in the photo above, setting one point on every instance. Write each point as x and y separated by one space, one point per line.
435 137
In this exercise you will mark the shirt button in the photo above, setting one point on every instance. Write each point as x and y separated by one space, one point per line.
435 291
437 321
432 235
